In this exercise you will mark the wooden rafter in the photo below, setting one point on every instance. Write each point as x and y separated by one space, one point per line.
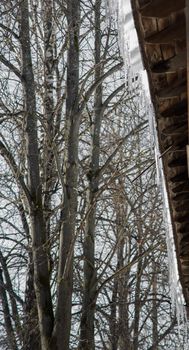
163 30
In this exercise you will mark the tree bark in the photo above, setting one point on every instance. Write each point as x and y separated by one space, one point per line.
61 334
154 311
137 304
49 177
31 328
41 274
31 336
124 341
90 278
7 315
113 324
12 299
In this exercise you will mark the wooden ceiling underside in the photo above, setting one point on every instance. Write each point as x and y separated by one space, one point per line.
161 27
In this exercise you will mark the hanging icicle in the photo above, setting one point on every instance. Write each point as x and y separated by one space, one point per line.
127 36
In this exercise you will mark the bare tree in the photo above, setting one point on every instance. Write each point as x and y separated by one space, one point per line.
80 225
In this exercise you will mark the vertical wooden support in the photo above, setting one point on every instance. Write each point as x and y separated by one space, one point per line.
187 50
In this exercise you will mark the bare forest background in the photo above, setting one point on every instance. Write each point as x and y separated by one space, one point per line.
83 261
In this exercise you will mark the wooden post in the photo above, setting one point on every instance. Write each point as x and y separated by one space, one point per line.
187 50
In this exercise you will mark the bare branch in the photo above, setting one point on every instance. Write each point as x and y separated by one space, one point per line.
11 66
6 154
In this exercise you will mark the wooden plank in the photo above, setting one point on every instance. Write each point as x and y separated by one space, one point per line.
179 108
180 218
175 130
176 31
183 207
183 228
173 91
179 177
181 197
173 122
162 8
187 49
179 162
187 153
171 65
184 188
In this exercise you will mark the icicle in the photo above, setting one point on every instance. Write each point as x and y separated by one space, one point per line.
127 36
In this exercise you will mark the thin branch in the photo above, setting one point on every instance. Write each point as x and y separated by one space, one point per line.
7 317
9 31
151 164
162 336
6 154
120 144
97 83
11 66
111 96
124 269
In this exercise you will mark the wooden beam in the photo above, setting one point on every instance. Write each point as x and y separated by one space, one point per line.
187 153
176 31
183 207
180 218
180 141
185 272
162 8
174 90
179 177
181 197
183 228
171 65
177 109
179 162
187 49
183 188
175 129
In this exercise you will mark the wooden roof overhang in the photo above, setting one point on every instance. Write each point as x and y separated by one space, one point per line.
163 36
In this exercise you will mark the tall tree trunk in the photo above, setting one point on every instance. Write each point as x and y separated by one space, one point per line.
123 298
7 315
90 279
123 255
15 319
48 155
31 336
137 304
113 324
62 327
154 311
31 328
41 274
140 264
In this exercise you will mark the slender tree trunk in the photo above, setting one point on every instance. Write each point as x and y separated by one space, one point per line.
113 318
48 155
123 330
90 279
31 328
124 336
41 274
15 319
31 336
137 305
7 315
154 311
62 328
140 264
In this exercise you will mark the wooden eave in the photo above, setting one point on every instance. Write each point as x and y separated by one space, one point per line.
162 32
